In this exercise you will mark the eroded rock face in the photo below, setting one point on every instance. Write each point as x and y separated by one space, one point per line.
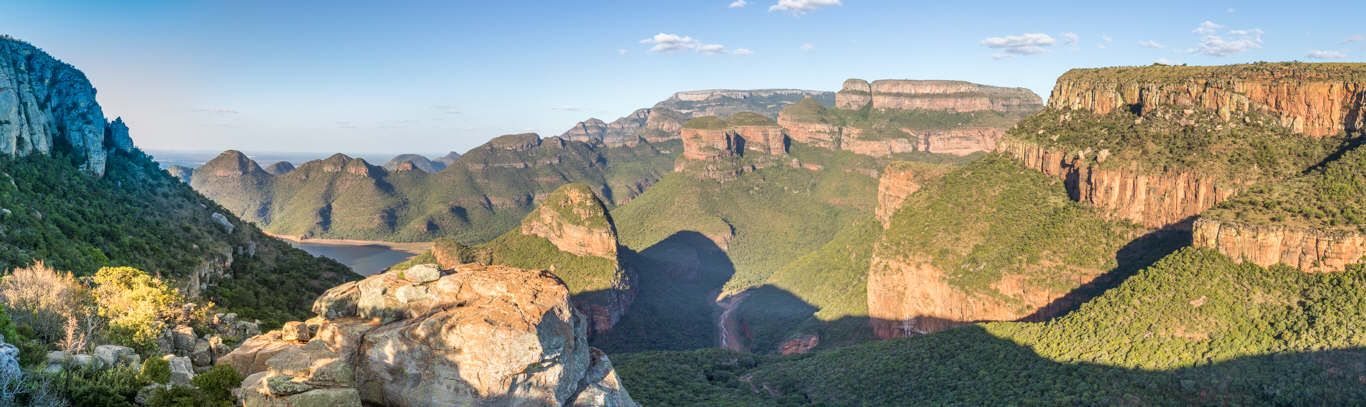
1316 100
575 221
897 182
708 144
587 131
951 96
479 335
1165 200
47 104
1313 250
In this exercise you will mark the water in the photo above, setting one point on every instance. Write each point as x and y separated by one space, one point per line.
364 259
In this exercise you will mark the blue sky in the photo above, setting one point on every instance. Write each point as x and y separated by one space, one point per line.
432 77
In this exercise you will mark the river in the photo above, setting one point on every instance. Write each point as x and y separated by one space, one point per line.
363 257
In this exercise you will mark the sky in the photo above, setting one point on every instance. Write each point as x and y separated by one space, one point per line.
432 77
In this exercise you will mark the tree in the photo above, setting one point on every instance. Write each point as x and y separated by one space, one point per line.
136 305
44 300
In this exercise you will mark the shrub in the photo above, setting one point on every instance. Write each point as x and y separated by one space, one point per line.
156 370
136 305
43 299
218 382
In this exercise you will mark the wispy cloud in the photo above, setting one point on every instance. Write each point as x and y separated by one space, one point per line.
1354 38
567 108
1151 44
623 52
1105 40
1024 44
217 111
1070 38
1325 54
1230 42
807 47
664 42
799 7
742 51
738 4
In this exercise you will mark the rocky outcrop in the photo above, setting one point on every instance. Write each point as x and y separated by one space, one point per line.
448 159
709 144
899 180
1308 249
47 104
279 168
710 138
182 173
515 142
587 131
643 125
231 163
1161 200
1316 100
575 221
410 162
477 335
814 133
950 96
726 102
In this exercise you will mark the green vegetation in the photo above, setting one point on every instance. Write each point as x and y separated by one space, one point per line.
749 119
994 217
706 123
590 279
1195 328
1170 74
135 304
1250 148
1332 196
761 101
483 194
137 215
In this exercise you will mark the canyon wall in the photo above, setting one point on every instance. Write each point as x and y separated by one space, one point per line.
1316 100
950 96
717 149
1162 200
1308 249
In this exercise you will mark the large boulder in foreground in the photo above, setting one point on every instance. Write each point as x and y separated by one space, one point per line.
475 335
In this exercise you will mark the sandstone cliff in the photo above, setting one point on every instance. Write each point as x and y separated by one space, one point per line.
717 149
46 105
474 335
726 102
1316 100
952 96
1306 248
575 221
899 180
1155 200
940 117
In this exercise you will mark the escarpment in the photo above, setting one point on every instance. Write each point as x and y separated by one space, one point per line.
899 180
953 96
47 105
472 335
899 116
1316 100
723 149
988 241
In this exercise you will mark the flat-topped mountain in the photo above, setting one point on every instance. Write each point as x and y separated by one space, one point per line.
952 96
726 102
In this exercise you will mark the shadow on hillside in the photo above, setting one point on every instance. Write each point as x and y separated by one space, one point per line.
677 281
1136 255
971 366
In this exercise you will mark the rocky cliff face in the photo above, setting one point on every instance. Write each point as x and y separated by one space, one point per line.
1316 100
899 180
1308 249
47 105
575 221
1153 200
726 102
717 149
951 96
474 335
413 162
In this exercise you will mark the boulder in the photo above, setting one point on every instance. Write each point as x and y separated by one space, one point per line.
114 355
479 335
223 222
294 331
182 370
202 354
421 273
9 360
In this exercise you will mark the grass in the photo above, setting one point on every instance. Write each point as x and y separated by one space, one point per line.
1169 74
875 123
1330 197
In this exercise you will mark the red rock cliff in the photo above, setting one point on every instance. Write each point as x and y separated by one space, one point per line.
1314 99
1313 250
952 96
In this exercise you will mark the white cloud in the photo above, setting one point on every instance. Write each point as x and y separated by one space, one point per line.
1354 38
673 42
738 4
712 49
807 47
670 42
1024 44
1230 42
742 51
1070 38
1151 44
1231 10
1207 27
1107 40
1325 54
623 52
567 108
802 6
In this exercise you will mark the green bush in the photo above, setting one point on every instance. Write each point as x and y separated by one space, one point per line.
155 370
218 382
112 387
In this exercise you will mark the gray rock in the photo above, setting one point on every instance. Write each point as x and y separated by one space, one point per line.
182 338
182 370
202 354
146 392
9 360
114 355
421 273
223 222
